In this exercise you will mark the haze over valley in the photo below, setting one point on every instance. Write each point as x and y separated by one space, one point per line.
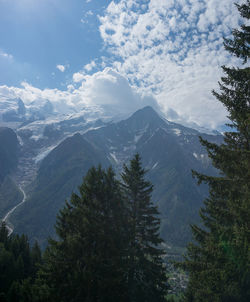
124 150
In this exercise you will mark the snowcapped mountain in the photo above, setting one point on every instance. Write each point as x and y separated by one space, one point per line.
60 151
41 125
121 140
14 110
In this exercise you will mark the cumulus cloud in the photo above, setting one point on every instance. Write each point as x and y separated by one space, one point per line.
109 88
29 93
90 66
63 101
106 89
163 53
61 67
78 76
173 49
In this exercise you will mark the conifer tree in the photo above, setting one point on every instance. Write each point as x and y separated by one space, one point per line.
86 262
18 266
146 275
219 261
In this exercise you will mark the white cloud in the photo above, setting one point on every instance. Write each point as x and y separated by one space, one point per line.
90 66
78 76
106 89
173 49
70 87
5 55
61 67
89 13
109 88
86 16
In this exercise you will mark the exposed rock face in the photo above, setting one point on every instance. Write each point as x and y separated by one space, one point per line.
169 151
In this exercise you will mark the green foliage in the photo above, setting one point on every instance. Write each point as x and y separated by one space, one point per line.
86 263
175 298
58 176
219 261
18 267
176 193
145 269
107 247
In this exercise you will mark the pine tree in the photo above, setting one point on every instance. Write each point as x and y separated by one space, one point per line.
87 262
18 266
146 275
219 261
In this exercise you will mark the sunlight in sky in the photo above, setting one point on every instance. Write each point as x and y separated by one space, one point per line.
22 6
167 50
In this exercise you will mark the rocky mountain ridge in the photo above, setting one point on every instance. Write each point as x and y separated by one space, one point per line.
169 151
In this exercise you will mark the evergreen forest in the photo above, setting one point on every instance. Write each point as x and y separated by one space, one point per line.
218 261
108 246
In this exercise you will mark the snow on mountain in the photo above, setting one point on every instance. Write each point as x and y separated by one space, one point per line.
8 104
43 153
169 151
177 131
41 126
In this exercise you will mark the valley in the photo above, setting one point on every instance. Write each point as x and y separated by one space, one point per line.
125 151
55 154
5 219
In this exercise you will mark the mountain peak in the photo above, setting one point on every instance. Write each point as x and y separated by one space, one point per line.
148 110
145 116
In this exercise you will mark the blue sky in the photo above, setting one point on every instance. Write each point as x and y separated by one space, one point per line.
38 35
125 53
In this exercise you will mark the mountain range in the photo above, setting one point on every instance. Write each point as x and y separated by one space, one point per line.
56 153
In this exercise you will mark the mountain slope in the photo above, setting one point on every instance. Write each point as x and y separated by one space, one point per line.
9 148
59 175
169 151
10 194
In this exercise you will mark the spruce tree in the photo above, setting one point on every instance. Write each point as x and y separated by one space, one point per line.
86 263
218 261
18 266
146 275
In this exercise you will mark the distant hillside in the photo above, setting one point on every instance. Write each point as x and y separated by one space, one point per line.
10 195
60 174
9 149
169 151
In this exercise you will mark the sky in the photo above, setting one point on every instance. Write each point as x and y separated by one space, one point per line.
123 53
